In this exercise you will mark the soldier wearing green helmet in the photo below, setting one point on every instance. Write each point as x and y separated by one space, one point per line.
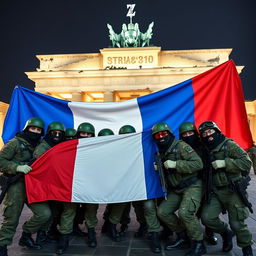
229 164
126 129
105 132
70 134
15 157
87 212
181 165
55 135
85 130
189 134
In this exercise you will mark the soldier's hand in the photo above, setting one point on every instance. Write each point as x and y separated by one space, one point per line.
155 166
23 169
219 164
169 164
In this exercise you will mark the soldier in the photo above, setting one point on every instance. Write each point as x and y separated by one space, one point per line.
66 211
87 211
252 154
189 134
229 162
70 134
145 211
181 165
114 212
15 157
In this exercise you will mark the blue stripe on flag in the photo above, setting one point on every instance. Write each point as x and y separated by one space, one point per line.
26 103
174 106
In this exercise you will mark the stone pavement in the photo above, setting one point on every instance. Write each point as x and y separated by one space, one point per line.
129 246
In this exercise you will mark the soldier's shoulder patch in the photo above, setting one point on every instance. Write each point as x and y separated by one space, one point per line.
189 149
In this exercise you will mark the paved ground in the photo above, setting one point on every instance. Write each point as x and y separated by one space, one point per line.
130 246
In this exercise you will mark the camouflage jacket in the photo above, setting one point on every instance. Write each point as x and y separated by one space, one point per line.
15 152
236 160
41 148
188 163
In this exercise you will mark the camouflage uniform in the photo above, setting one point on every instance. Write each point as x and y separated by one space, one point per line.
184 198
236 161
18 152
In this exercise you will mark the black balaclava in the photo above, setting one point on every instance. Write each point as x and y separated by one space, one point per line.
31 137
52 139
192 140
165 142
217 139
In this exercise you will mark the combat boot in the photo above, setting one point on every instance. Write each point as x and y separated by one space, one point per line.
27 240
142 230
181 242
155 244
41 237
227 240
210 237
197 249
247 251
92 242
113 232
3 250
63 244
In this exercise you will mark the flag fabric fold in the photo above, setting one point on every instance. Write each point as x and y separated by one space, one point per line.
213 95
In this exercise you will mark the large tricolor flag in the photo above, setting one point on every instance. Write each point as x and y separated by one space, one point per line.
117 160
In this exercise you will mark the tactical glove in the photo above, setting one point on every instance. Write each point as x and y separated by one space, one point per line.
23 169
155 166
219 164
169 164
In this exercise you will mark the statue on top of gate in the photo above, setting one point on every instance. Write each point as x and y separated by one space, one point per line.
130 35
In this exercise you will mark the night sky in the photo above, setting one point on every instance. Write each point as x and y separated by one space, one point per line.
36 27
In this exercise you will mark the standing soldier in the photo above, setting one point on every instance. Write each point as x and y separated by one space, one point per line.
229 162
15 158
181 165
114 212
66 211
87 211
189 134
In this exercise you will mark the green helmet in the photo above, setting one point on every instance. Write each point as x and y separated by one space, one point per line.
126 129
70 132
35 121
186 127
105 132
55 126
86 127
159 127
208 125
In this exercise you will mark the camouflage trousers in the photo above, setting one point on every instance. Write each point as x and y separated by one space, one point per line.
13 205
237 213
186 202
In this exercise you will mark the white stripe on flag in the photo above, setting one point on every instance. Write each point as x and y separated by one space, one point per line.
110 115
109 169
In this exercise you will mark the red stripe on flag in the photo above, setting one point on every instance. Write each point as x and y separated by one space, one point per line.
218 96
52 174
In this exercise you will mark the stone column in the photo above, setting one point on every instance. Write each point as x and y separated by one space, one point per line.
77 96
108 96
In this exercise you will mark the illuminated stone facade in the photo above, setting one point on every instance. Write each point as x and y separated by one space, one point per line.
117 74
